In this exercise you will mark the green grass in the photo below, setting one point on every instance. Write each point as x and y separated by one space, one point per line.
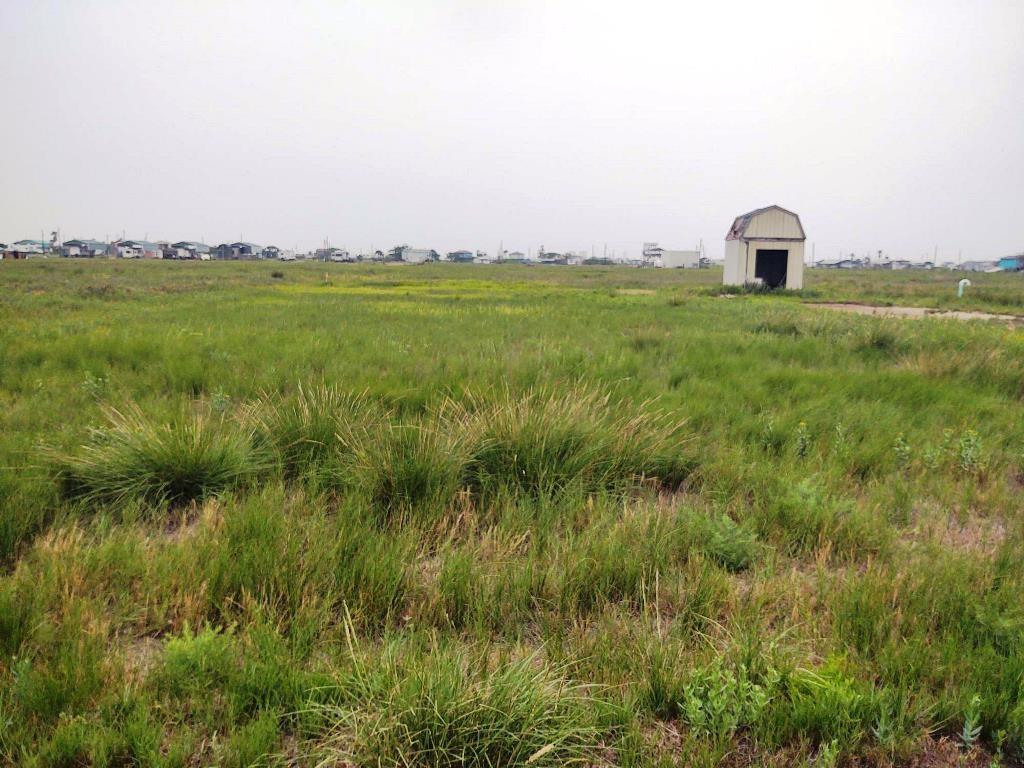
472 515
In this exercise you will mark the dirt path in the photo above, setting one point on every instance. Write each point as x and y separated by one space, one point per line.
917 312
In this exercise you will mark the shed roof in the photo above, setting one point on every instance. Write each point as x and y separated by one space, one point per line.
741 227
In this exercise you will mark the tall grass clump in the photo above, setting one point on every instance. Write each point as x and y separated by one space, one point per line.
411 471
445 708
315 433
541 442
135 458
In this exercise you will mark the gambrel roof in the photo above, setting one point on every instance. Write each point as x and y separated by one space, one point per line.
770 223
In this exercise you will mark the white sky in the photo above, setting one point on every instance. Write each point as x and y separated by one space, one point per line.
887 124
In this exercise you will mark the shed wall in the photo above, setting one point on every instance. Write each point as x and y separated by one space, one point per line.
733 262
741 261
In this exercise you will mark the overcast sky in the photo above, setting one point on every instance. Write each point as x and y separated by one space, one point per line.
893 125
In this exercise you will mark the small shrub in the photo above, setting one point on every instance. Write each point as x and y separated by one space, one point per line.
220 401
969 457
840 441
901 452
277 274
803 439
94 386
770 439
719 537
719 699
197 661
823 705
971 731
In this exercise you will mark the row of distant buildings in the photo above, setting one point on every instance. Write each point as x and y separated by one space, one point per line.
1005 264
652 255
138 249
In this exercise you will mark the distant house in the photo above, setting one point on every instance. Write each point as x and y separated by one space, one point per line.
654 255
980 266
680 259
461 256
551 257
1012 263
514 257
239 250
22 249
243 250
136 249
84 248
895 264
337 255
187 249
417 255
840 264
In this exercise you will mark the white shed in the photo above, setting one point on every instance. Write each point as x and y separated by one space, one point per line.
765 246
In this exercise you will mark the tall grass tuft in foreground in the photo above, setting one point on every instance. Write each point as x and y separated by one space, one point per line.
411 470
542 442
315 434
134 458
444 708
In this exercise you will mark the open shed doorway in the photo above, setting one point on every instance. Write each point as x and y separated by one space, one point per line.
770 266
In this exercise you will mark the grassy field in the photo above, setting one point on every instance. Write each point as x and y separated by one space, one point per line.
307 514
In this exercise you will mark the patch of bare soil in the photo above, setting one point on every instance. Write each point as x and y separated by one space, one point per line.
937 753
983 535
140 656
917 312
